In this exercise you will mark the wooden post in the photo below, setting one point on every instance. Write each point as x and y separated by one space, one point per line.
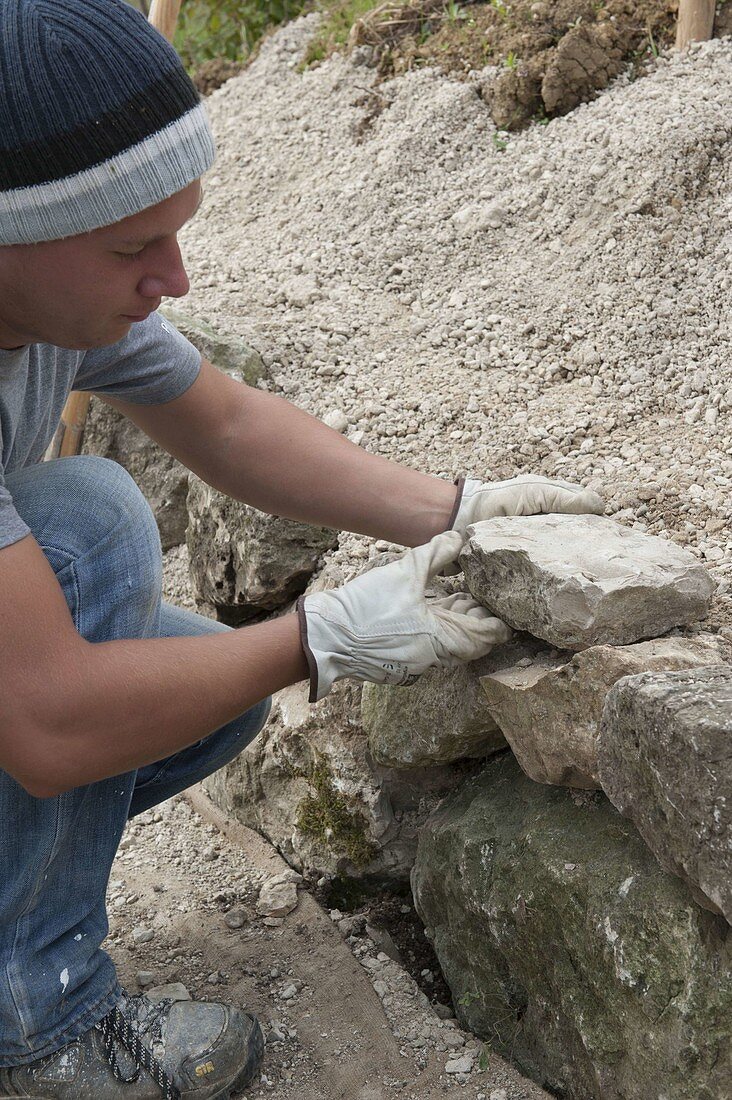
164 16
696 22
69 434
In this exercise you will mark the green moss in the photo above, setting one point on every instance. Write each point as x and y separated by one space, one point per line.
326 815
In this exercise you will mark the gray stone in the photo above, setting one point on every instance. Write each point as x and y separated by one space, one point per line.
244 562
578 581
309 784
569 948
665 761
277 899
443 717
173 991
226 351
550 712
235 918
162 479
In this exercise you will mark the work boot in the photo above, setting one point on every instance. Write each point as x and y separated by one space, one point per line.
145 1050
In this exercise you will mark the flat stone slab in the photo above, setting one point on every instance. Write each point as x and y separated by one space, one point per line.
665 761
444 716
550 710
579 581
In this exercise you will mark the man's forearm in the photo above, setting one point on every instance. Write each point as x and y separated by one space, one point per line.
123 704
286 462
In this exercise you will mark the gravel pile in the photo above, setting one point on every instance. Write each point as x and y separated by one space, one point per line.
554 301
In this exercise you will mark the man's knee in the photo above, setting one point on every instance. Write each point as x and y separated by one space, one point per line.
88 511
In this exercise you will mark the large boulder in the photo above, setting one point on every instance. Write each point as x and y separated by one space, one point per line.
569 948
444 716
308 783
550 711
162 479
578 581
245 563
665 760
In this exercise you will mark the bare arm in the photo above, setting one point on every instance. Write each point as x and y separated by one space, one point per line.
72 712
259 448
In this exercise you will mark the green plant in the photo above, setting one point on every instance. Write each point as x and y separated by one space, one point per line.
484 1059
511 61
652 43
500 8
335 28
453 12
499 142
466 999
208 29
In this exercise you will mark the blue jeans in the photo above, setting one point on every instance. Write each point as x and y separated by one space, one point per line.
100 537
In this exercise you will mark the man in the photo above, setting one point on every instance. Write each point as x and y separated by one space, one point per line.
113 701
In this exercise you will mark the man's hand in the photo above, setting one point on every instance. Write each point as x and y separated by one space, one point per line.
381 627
526 495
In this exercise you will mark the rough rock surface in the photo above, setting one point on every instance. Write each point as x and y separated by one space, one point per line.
443 717
162 479
577 581
550 711
244 562
665 761
567 945
309 784
225 350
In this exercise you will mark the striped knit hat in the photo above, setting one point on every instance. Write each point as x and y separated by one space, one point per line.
98 118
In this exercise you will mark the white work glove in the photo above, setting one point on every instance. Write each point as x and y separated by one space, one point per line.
381 627
526 495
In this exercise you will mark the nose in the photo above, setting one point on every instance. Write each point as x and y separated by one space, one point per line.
168 278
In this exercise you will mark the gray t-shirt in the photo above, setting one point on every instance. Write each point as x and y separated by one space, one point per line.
153 364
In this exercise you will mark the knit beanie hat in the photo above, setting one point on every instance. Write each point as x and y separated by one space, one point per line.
98 118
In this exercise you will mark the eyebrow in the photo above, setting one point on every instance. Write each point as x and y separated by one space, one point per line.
151 240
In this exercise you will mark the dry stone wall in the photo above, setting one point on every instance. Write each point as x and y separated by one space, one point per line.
568 947
665 761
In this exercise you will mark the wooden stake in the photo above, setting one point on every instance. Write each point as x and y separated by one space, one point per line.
69 434
696 22
164 16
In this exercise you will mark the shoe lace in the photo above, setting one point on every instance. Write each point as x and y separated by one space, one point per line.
124 1026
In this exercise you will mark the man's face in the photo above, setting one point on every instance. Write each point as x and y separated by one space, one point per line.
86 291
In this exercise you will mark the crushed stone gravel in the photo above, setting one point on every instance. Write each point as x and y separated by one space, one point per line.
558 306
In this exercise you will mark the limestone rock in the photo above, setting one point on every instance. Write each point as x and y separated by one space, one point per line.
665 761
550 712
578 581
244 562
309 784
441 718
162 479
226 351
569 948
277 898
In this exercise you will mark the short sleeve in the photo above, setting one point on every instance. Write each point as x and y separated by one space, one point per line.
153 364
12 527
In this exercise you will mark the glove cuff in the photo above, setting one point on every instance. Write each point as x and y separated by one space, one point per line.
309 656
460 482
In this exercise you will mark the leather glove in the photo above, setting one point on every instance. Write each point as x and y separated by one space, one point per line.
381 627
526 495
